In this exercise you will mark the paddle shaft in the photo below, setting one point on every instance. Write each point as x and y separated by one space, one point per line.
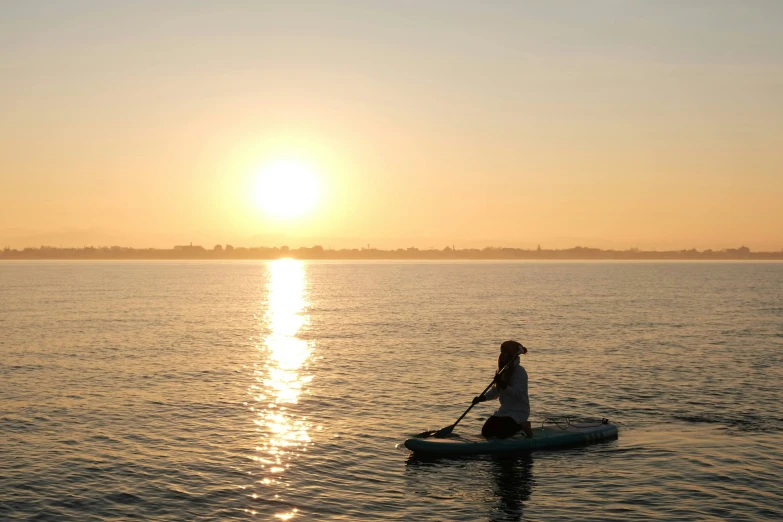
486 389
471 405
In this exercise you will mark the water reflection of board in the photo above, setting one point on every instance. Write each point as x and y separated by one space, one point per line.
547 437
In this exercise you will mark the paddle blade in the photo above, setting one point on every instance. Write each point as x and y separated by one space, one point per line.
438 434
445 432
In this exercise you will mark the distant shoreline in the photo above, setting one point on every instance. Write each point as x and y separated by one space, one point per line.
219 252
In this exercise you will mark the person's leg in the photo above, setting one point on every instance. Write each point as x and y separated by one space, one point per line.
491 427
508 428
527 429
500 427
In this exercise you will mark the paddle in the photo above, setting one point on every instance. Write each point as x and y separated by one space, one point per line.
445 432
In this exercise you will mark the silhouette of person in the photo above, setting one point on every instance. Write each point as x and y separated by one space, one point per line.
510 387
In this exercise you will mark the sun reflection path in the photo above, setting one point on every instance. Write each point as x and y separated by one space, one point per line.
282 376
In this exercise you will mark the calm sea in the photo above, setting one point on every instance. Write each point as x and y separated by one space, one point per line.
253 390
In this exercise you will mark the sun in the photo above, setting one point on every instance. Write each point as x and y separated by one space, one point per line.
286 189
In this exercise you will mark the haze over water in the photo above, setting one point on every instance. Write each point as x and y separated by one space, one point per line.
253 390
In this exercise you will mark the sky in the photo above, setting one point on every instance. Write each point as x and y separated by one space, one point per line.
611 124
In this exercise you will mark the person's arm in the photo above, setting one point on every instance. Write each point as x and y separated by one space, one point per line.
491 394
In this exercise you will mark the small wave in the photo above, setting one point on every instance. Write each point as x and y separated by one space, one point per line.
72 502
746 423
743 332
124 498
14 424
103 438
179 494
23 367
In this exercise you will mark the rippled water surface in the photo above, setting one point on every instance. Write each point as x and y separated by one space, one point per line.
215 391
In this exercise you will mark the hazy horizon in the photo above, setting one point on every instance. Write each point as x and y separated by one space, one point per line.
605 124
97 237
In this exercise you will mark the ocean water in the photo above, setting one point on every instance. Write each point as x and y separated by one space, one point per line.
283 390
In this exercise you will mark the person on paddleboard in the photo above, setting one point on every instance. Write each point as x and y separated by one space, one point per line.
510 387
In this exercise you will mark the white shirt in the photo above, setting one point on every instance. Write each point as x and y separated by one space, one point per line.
514 401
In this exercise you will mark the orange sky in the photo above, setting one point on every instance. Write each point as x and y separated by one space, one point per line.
607 123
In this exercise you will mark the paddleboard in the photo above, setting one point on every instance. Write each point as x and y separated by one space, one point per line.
550 436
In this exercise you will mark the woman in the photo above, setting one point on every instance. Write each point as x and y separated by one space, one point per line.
510 388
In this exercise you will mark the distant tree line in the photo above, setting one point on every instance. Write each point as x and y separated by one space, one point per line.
318 252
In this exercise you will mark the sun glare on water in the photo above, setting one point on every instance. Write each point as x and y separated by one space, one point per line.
286 189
